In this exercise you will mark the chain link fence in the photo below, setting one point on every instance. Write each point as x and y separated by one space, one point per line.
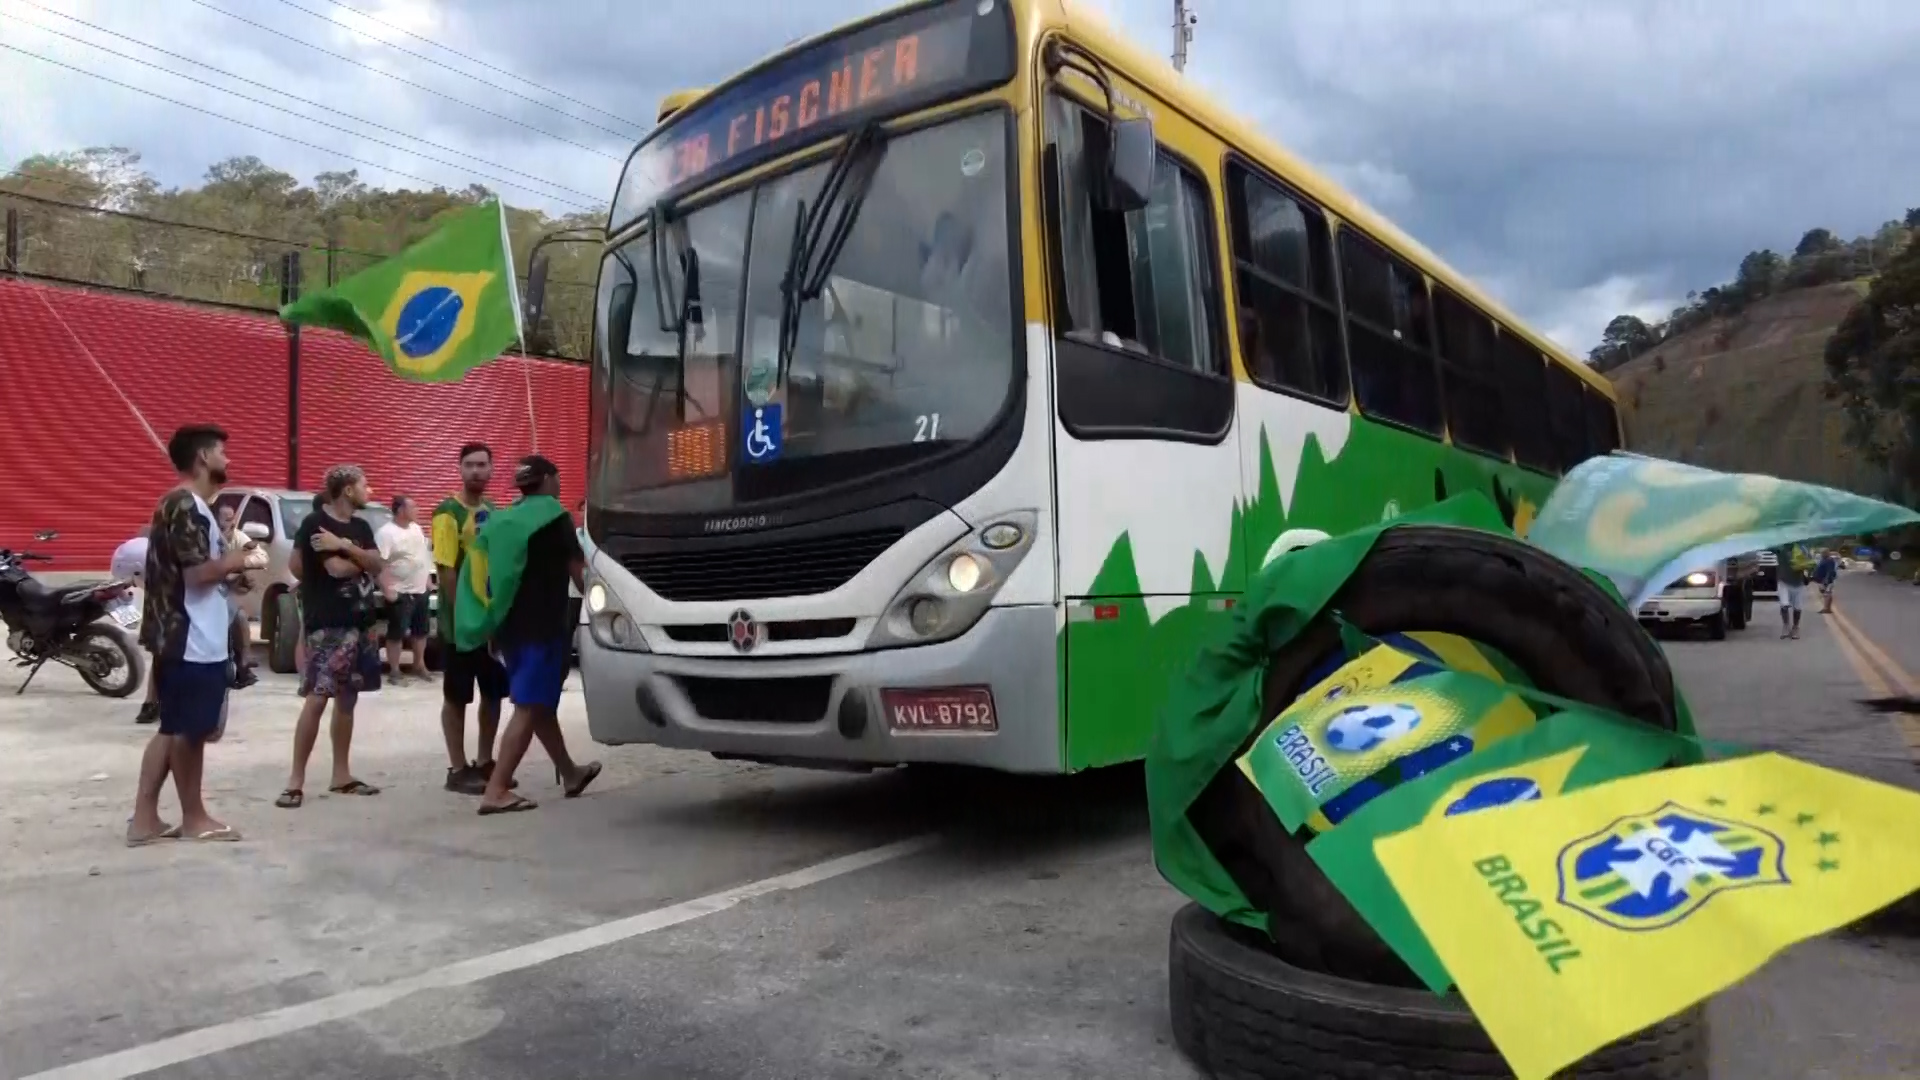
83 245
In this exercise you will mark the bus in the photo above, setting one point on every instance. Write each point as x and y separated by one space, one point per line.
956 370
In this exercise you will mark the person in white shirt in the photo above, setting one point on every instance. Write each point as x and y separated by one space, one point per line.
408 581
130 564
184 623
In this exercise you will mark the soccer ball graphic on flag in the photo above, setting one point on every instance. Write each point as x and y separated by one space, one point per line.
1360 728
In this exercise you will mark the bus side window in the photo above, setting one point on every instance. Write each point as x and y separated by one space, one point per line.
1389 336
1288 305
1475 417
1523 387
1139 349
1603 428
1566 416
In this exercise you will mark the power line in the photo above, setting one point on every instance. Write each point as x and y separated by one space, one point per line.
482 63
270 105
242 123
405 82
465 75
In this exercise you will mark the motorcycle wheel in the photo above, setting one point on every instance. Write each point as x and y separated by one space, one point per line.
108 660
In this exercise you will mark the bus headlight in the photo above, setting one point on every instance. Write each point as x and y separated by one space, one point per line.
612 627
951 592
964 573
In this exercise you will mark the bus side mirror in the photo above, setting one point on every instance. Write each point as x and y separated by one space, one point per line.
535 302
1131 154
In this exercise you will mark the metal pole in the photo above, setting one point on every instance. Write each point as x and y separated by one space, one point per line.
1182 33
289 292
13 240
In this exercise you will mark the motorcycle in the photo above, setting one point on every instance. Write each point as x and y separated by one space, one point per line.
84 626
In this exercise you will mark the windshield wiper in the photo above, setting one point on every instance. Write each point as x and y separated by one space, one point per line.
819 236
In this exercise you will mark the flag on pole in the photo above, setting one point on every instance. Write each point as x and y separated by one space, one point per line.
1562 753
435 311
1570 923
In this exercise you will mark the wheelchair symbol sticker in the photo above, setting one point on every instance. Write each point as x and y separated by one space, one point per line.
763 434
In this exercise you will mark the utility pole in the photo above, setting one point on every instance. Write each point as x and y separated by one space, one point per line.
1183 23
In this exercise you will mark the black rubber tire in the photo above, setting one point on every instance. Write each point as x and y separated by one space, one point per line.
130 651
286 634
1240 1013
1717 627
1562 629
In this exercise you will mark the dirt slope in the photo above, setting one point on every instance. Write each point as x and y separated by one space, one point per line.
1745 394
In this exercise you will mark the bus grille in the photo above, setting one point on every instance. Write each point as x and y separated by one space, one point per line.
799 700
793 568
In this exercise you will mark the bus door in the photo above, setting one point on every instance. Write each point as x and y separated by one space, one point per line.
1145 449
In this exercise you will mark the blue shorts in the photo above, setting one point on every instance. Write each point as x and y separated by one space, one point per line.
193 698
536 670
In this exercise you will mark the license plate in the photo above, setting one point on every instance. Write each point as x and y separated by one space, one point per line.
951 709
125 614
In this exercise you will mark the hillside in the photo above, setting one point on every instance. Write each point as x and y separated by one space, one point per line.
1745 393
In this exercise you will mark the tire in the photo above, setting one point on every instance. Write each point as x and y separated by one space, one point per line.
1560 628
286 634
1717 627
1239 1012
106 635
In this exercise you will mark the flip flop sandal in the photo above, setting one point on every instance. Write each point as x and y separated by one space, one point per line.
167 832
518 804
587 776
290 799
223 834
355 787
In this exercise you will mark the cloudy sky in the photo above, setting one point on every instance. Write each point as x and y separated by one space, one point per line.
1578 157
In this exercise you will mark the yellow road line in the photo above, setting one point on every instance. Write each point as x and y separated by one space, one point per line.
1883 675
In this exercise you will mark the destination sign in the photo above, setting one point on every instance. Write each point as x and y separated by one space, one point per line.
938 52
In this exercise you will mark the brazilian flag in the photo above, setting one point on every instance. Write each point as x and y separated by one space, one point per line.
435 311
490 574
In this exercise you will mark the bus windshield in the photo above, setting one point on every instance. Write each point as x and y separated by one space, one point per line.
910 347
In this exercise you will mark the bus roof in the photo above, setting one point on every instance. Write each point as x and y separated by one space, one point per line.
678 100
1155 74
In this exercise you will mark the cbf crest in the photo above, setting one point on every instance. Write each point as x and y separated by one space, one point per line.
1654 870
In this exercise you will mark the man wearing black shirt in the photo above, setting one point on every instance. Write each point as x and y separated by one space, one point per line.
336 559
533 641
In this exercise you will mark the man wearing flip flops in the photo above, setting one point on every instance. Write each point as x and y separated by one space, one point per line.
532 551
184 625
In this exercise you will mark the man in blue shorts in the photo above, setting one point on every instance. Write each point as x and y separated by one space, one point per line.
533 640
185 624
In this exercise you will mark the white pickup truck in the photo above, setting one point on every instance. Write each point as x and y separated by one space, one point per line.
1717 598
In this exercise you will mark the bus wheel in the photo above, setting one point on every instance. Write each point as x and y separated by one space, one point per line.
1240 1011
1566 633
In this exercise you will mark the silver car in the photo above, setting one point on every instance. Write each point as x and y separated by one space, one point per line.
271 516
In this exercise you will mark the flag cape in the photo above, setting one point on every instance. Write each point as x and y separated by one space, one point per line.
1644 522
1569 923
436 310
1565 752
490 575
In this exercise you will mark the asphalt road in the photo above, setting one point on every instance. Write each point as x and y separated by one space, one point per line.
692 919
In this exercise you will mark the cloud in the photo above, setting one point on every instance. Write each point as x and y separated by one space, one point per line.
1578 158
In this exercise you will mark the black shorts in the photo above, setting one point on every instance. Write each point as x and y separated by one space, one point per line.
407 616
192 698
463 671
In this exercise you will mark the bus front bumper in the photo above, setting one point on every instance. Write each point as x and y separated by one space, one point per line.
826 711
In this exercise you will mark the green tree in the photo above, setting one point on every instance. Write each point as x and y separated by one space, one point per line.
1625 337
1873 368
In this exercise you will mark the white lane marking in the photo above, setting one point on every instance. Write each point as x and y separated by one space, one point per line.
252 1029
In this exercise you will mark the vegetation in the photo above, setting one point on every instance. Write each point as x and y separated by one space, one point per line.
1820 258
96 216
1873 369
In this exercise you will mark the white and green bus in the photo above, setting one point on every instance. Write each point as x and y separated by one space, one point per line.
957 369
